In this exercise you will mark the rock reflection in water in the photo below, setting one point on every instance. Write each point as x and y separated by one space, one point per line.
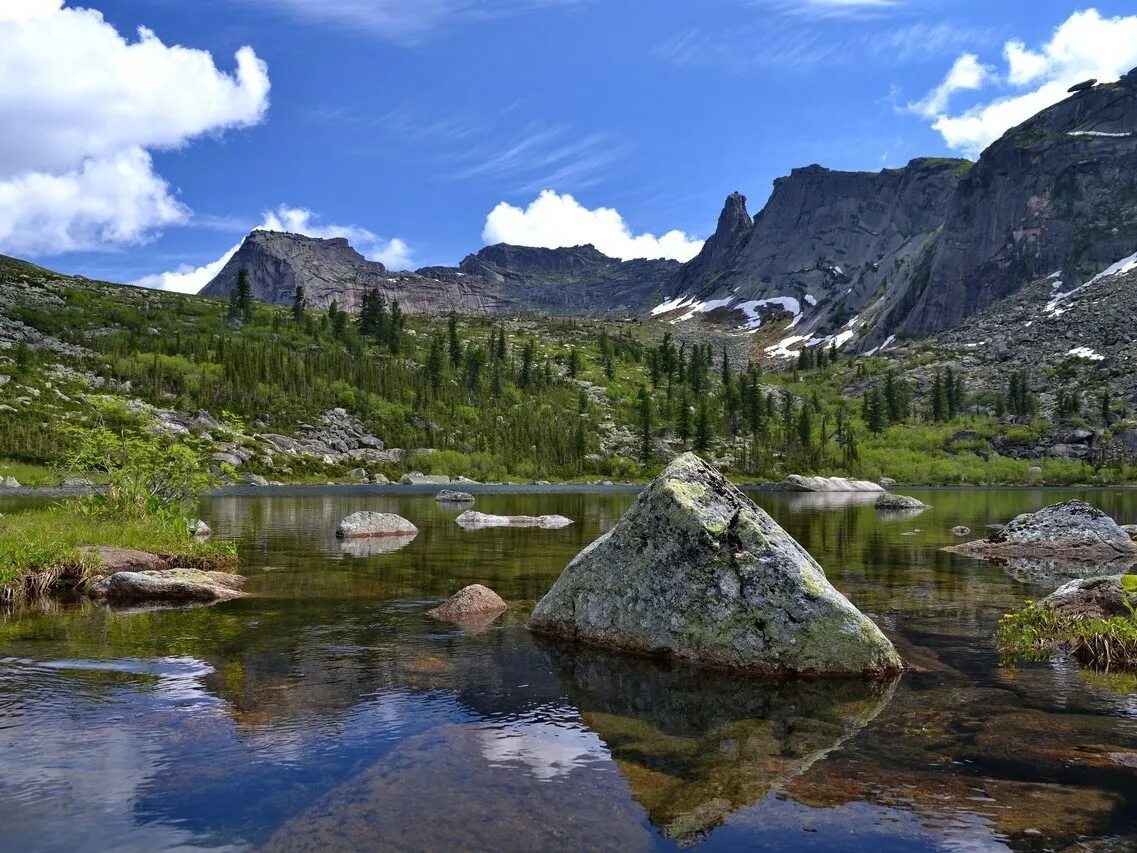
375 546
697 746
1051 574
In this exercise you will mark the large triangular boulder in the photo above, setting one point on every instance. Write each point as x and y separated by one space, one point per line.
696 572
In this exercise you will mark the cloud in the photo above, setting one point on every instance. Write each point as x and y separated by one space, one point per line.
967 74
789 45
404 20
90 106
552 221
540 157
1085 45
394 253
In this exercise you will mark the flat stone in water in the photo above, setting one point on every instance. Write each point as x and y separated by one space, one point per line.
167 585
446 496
1072 530
473 520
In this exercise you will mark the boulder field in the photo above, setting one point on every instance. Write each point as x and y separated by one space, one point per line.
696 572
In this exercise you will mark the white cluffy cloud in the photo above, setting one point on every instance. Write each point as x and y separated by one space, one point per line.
553 220
84 107
1085 45
393 253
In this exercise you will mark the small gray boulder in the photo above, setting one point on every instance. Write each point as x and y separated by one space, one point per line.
696 572
362 525
889 502
474 602
446 496
798 483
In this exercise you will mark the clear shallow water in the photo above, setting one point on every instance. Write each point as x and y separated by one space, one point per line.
327 711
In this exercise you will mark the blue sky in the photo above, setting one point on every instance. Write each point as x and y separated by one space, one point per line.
412 120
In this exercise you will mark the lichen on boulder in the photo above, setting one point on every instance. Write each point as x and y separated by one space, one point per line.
696 572
172 586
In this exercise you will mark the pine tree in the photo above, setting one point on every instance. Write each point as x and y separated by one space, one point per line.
241 298
434 365
646 414
299 304
1106 407
455 344
938 398
573 363
702 428
683 417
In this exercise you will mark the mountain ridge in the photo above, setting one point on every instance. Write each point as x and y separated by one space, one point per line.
852 259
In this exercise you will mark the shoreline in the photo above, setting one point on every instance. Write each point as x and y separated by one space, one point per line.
396 489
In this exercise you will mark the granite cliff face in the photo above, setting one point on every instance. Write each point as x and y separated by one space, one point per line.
1057 194
497 280
854 259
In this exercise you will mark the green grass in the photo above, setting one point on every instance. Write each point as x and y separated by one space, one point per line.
41 549
29 474
1038 633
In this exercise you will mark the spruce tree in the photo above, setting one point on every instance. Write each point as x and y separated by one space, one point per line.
646 415
702 428
299 303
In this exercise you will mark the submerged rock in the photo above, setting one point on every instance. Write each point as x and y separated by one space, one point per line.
894 503
1098 597
167 585
960 530
446 496
695 571
473 602
367 524
472 520
1072 530
798 483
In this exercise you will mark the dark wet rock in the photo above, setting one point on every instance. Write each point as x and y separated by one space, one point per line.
695 571
889 502
472 520
468 604
167 586
798 483
1072 530
696 745
1099 597
374 524
446 496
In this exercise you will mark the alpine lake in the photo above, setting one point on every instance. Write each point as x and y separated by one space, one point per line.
328 711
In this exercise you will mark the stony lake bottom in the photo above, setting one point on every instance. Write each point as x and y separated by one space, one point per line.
327 711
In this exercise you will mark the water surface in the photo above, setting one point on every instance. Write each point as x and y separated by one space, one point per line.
327 711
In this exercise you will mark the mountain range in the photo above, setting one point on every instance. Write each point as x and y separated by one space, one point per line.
854 259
